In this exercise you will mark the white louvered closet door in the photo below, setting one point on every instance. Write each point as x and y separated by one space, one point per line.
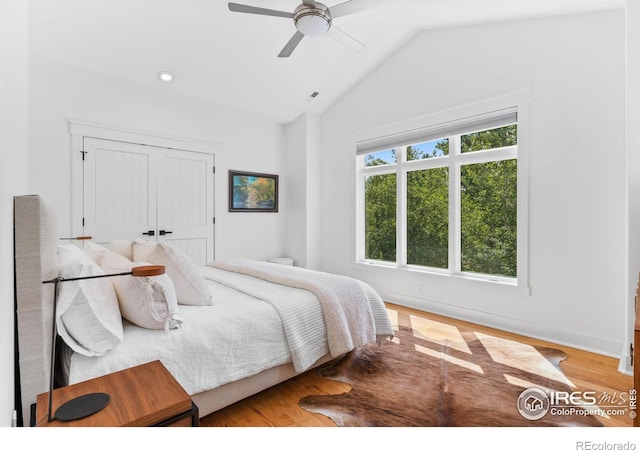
139 191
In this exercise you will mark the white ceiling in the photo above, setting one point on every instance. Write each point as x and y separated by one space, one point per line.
231 58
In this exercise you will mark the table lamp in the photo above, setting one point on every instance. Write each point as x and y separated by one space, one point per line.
84 405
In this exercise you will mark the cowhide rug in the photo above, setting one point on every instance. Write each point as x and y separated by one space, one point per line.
453 378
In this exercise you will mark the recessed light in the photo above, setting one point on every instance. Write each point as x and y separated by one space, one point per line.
165 76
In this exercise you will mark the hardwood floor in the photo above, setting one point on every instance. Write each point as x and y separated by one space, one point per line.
278 406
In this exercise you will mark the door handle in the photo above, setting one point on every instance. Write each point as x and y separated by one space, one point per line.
150 233
163 232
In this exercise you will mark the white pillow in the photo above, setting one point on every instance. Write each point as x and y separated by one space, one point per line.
149 302
187 277
95 251
125 248
87 316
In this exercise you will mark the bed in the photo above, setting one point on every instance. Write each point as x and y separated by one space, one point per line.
225 331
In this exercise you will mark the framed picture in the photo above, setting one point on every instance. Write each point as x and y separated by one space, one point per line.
253 192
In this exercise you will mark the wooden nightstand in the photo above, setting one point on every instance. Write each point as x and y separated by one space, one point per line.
141 396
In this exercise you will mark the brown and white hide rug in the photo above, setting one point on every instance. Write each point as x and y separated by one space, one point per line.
443 377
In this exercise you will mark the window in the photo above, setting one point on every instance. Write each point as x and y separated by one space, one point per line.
443 198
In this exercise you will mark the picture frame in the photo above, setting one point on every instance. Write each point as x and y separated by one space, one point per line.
252 192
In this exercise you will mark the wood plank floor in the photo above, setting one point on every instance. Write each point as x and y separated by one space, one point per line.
278 406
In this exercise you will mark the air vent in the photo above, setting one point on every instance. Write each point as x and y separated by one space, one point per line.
311 97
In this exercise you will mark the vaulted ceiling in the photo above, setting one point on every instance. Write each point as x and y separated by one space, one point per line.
231 58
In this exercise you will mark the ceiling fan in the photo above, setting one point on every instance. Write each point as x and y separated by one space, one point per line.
311 18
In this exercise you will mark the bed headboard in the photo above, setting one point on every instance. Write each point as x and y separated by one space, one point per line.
35 260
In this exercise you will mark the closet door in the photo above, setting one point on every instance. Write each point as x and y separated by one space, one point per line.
136 191
119 200
185 202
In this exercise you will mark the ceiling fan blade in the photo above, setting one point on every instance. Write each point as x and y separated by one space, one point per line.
237 7
349 7
344 39
291 45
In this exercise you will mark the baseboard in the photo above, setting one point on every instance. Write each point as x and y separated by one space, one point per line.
579 341
625 366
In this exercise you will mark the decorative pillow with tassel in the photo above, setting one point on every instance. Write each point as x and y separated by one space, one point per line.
149 302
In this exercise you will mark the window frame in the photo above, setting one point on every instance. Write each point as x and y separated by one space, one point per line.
477 113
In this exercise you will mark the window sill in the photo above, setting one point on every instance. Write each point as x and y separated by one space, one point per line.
459 280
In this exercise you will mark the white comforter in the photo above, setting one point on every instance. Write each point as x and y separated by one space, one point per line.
347 307
238 336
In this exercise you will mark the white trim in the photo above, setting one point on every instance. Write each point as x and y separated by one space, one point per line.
493 109
455 215
95 130
401 216
558 335
77 183
478 108
80 129
359 216
501 285
486 121
523 194
632 178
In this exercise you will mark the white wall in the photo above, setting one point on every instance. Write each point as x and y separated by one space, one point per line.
302 170
247 141
13 175
633 164
314 160
295 163
574 67
54 93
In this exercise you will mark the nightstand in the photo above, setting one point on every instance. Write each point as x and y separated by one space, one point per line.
141 396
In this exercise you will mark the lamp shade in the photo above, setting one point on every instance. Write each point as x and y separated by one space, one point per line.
313 25
312 20
147 271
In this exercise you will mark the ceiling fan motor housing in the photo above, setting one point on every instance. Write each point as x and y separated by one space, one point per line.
312 20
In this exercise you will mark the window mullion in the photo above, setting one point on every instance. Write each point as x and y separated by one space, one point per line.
361 216
401 208
455 238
